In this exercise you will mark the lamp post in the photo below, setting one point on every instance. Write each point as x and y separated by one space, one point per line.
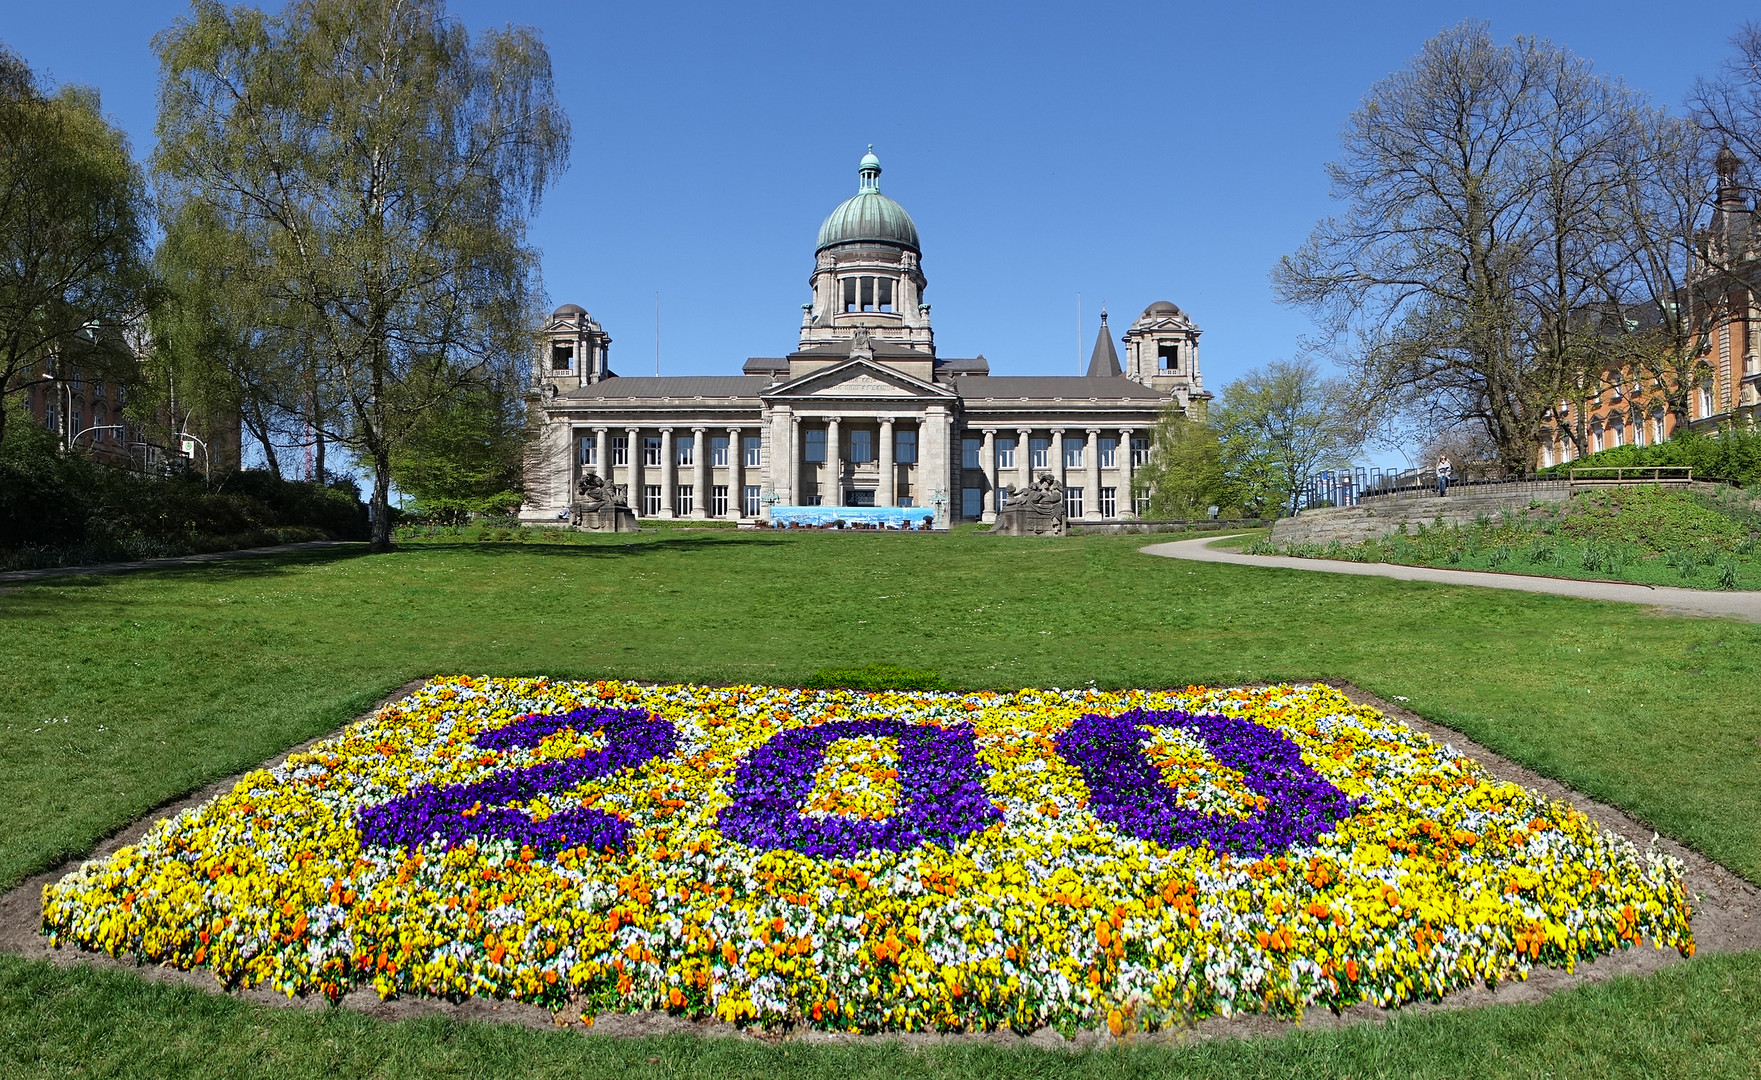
63 408
95 427
190 442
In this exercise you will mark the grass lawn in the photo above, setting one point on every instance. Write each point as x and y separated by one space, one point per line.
1645 535
129 691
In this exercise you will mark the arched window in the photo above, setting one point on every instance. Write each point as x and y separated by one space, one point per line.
99 420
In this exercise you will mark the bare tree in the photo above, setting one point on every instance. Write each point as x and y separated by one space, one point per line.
1729 106
1476 181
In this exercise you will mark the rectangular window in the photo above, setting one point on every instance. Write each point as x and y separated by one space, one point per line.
685 451
861 446
754 447
1109 453
867 294
562 356
1040 453
858 497
1073 502
650 500
754 500
1073 454
620 450
810 495
886 294
971 502
1140 451
1168 357
1142 504
1109 502
52 416
683 501
813 446
1005 453
905 447
905 500
651 449
718 500
849 294
718 450
969 451
589 449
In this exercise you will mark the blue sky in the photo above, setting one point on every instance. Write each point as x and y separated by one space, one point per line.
1129 152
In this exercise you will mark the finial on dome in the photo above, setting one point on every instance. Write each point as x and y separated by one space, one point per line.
871 170
1103 312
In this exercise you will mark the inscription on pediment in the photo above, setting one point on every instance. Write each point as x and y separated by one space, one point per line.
861 385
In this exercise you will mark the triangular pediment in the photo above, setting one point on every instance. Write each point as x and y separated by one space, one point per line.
860 379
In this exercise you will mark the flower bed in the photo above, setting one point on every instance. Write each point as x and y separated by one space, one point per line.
876 861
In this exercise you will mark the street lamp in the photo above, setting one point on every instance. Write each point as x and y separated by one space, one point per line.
190 442
95 427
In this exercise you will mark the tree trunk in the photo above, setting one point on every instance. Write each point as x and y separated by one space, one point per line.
381 504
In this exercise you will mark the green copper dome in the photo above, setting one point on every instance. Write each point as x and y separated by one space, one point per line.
869 216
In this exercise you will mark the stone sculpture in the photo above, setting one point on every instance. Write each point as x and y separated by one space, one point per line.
1037 510
600 507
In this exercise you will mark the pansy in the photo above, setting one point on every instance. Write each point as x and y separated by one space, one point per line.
879 861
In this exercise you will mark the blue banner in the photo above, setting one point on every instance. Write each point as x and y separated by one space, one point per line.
868 517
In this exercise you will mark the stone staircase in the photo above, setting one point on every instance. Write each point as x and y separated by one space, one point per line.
1380 516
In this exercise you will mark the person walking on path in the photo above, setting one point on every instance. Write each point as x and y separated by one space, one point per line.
1443 471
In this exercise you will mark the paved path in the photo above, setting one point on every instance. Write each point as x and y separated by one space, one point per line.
18 576
1743 605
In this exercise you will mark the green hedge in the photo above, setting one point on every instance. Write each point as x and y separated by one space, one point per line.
66 509
1730 455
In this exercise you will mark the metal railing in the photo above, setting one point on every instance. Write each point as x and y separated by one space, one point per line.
1632 474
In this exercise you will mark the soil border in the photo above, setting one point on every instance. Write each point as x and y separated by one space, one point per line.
1726 919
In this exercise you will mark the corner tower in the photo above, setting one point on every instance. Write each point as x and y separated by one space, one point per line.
573 350
867 273
1161 352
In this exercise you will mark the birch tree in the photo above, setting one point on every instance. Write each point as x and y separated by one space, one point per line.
377 167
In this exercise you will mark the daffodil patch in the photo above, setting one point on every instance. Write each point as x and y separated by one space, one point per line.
876 861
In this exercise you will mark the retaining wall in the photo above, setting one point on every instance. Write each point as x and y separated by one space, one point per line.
1377 517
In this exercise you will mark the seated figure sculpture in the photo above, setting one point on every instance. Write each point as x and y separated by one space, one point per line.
1037 510
600 507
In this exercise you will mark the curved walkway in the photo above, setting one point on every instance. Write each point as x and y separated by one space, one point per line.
1742 605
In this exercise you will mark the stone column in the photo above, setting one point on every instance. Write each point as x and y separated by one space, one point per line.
794 465
987 458
1091 498
834 463
1055 456
603 453
1024 456
934 464
633 469
700 481
736 478
1128 508
668 473
888 495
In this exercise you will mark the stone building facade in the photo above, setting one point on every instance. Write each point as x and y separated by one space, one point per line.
864 412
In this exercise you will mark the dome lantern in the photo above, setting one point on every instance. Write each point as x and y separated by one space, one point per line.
868 216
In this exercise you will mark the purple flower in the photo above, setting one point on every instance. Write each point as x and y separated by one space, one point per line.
941 795
1126 791
458 812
